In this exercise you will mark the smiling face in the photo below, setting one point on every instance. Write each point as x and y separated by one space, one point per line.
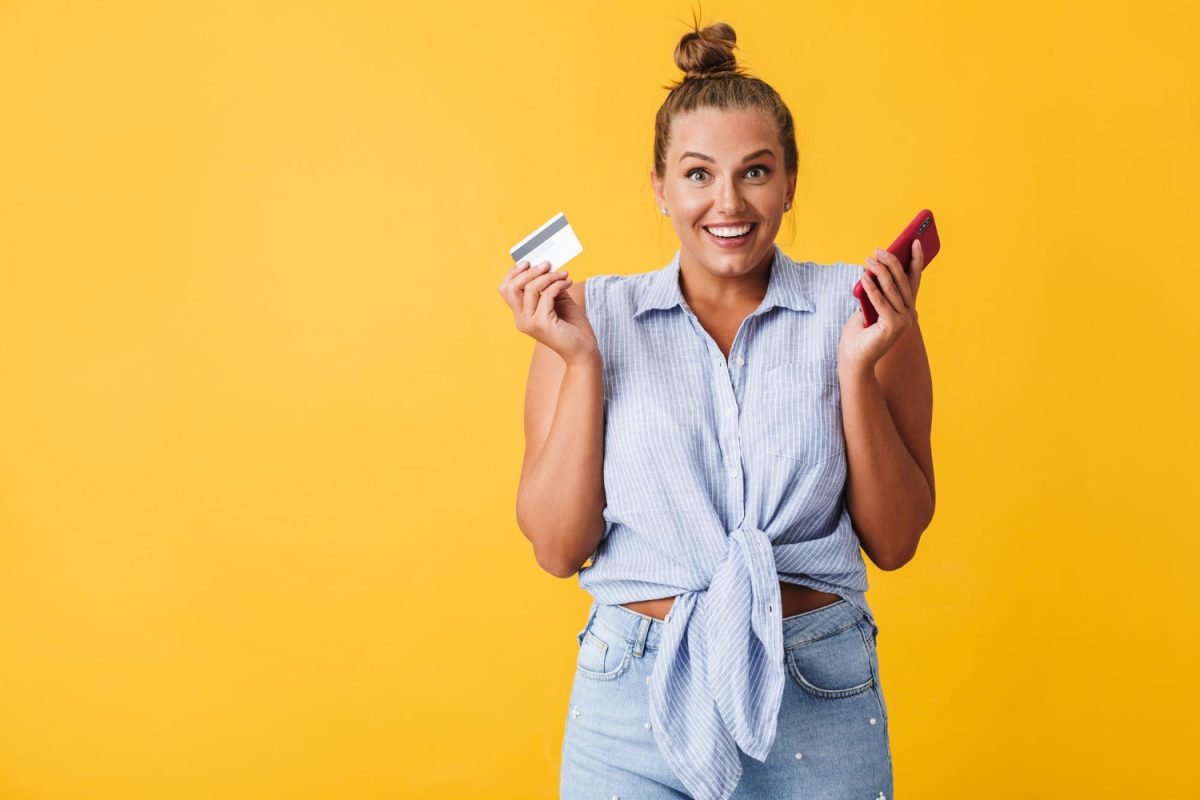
724 168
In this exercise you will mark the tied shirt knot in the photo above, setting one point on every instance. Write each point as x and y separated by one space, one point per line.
719 676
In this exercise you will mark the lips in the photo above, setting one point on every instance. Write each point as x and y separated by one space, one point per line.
730 242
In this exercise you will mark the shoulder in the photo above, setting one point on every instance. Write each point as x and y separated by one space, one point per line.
833 285
603 294
838 274
819 276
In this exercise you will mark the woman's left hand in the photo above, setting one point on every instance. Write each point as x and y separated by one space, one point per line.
895 301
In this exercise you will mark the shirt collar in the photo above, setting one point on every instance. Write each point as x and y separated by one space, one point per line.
786 287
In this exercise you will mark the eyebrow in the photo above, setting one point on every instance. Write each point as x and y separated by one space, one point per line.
766 151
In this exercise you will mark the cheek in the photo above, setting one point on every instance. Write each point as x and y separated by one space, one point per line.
688 208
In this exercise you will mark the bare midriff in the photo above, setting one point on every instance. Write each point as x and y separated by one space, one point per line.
795 599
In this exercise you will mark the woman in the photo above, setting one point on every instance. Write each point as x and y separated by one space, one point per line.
721 436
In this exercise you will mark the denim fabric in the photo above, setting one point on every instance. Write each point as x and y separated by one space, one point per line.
831 740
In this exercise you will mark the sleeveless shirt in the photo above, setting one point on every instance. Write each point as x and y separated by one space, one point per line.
722 478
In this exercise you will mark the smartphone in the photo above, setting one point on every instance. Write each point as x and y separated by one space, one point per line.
922 227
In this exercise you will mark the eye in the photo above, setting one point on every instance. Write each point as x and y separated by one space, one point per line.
765 170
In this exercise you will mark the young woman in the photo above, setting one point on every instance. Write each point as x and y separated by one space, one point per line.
721 436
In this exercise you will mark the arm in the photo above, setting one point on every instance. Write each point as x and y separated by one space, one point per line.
560 501
887 415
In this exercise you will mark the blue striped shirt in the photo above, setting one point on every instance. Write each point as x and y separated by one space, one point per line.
722 478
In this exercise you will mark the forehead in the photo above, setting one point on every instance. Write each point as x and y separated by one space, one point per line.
723 134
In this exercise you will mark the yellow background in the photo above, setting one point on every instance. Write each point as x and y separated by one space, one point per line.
260 401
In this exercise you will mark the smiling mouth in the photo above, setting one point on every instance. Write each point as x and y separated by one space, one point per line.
729 241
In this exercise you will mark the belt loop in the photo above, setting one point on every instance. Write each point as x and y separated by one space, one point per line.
639 646
588 624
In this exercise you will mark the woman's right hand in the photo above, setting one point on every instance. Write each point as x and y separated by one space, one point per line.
543 309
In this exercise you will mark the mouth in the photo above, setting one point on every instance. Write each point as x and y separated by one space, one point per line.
729 241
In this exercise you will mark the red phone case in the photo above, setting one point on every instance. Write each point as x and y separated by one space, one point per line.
922 227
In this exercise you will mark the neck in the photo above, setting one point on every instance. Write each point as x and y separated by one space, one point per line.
702 288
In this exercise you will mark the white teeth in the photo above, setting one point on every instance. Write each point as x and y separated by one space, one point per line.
729 232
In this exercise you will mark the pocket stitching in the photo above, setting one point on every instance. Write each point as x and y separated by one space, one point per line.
818 691
833 632
604 676
879 699
779 447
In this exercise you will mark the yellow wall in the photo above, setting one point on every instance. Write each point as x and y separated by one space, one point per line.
260 401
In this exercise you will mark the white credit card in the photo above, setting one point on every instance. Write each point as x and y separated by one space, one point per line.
554 242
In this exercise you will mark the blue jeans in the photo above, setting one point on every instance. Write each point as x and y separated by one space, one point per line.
832 741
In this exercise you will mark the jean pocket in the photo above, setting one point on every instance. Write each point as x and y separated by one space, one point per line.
832 666
802 410
603 655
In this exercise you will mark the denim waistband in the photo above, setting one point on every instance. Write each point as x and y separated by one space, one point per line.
644 631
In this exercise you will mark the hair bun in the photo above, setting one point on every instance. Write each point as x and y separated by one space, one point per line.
708 52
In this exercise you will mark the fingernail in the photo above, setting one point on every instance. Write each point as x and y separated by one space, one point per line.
878 253
917 244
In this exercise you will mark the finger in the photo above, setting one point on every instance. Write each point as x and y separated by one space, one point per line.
888 283
534 287
885 308
530 292
534 271
520 266
873 292
916 270
900 278
548 298
517 268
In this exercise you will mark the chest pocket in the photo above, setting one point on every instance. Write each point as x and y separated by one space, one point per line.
801 410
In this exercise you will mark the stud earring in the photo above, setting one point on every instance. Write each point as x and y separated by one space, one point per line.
666 213
787 205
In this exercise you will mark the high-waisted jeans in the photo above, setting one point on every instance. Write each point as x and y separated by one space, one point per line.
832 740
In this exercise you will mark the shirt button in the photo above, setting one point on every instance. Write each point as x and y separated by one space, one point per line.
728 411
733 473
740 361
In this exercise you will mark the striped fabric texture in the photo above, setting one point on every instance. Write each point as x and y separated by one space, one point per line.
722 478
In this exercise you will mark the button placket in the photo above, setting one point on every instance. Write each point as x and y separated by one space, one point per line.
725 398
727 424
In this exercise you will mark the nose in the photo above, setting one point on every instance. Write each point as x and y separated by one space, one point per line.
730 201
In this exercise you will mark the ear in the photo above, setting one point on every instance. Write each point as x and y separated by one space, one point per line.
657 185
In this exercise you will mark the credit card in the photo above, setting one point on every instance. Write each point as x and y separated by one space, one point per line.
554 241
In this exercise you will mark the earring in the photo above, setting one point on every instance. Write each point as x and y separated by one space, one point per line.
787 205
666 213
